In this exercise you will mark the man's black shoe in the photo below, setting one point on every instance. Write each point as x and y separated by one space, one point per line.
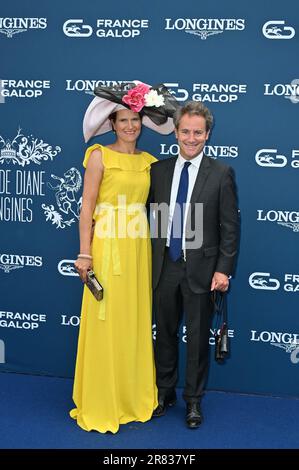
193 415
163 402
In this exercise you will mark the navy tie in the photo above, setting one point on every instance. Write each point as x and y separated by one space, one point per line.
176 235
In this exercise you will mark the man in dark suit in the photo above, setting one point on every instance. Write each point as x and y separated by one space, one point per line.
194 242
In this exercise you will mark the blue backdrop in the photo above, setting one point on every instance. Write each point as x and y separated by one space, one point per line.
242 63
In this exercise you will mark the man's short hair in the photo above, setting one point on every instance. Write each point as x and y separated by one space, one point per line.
194 108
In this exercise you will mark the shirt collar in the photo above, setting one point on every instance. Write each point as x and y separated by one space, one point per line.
195 161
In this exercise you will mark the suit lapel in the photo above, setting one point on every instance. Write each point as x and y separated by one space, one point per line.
168 180
200 181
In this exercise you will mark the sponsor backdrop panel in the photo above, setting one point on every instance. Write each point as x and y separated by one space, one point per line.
238 61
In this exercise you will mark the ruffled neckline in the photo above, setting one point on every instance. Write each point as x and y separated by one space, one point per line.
126 161
123 153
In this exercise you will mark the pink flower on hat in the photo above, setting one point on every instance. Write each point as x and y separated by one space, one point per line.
135 97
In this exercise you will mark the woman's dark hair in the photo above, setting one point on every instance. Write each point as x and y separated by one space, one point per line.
112 116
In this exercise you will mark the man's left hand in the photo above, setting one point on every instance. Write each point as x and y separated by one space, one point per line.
220 282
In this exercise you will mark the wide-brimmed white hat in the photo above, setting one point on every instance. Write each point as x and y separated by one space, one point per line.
155 104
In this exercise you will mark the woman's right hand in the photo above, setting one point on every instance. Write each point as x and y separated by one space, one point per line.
82 265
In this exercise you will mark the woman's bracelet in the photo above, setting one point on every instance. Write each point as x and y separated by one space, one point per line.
82 255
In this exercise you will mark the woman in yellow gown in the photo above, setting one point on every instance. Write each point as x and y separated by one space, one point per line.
115 374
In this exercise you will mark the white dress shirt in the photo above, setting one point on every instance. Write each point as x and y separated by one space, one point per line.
192 172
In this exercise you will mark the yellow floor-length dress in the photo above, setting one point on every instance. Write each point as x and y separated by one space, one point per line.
115 375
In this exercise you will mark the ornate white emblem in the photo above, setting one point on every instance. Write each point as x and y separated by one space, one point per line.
9 31
24 150
65 195
292 226
9 267
287 347
203 34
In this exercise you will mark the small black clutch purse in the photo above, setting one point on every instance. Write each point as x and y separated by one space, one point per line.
221 332
94 285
